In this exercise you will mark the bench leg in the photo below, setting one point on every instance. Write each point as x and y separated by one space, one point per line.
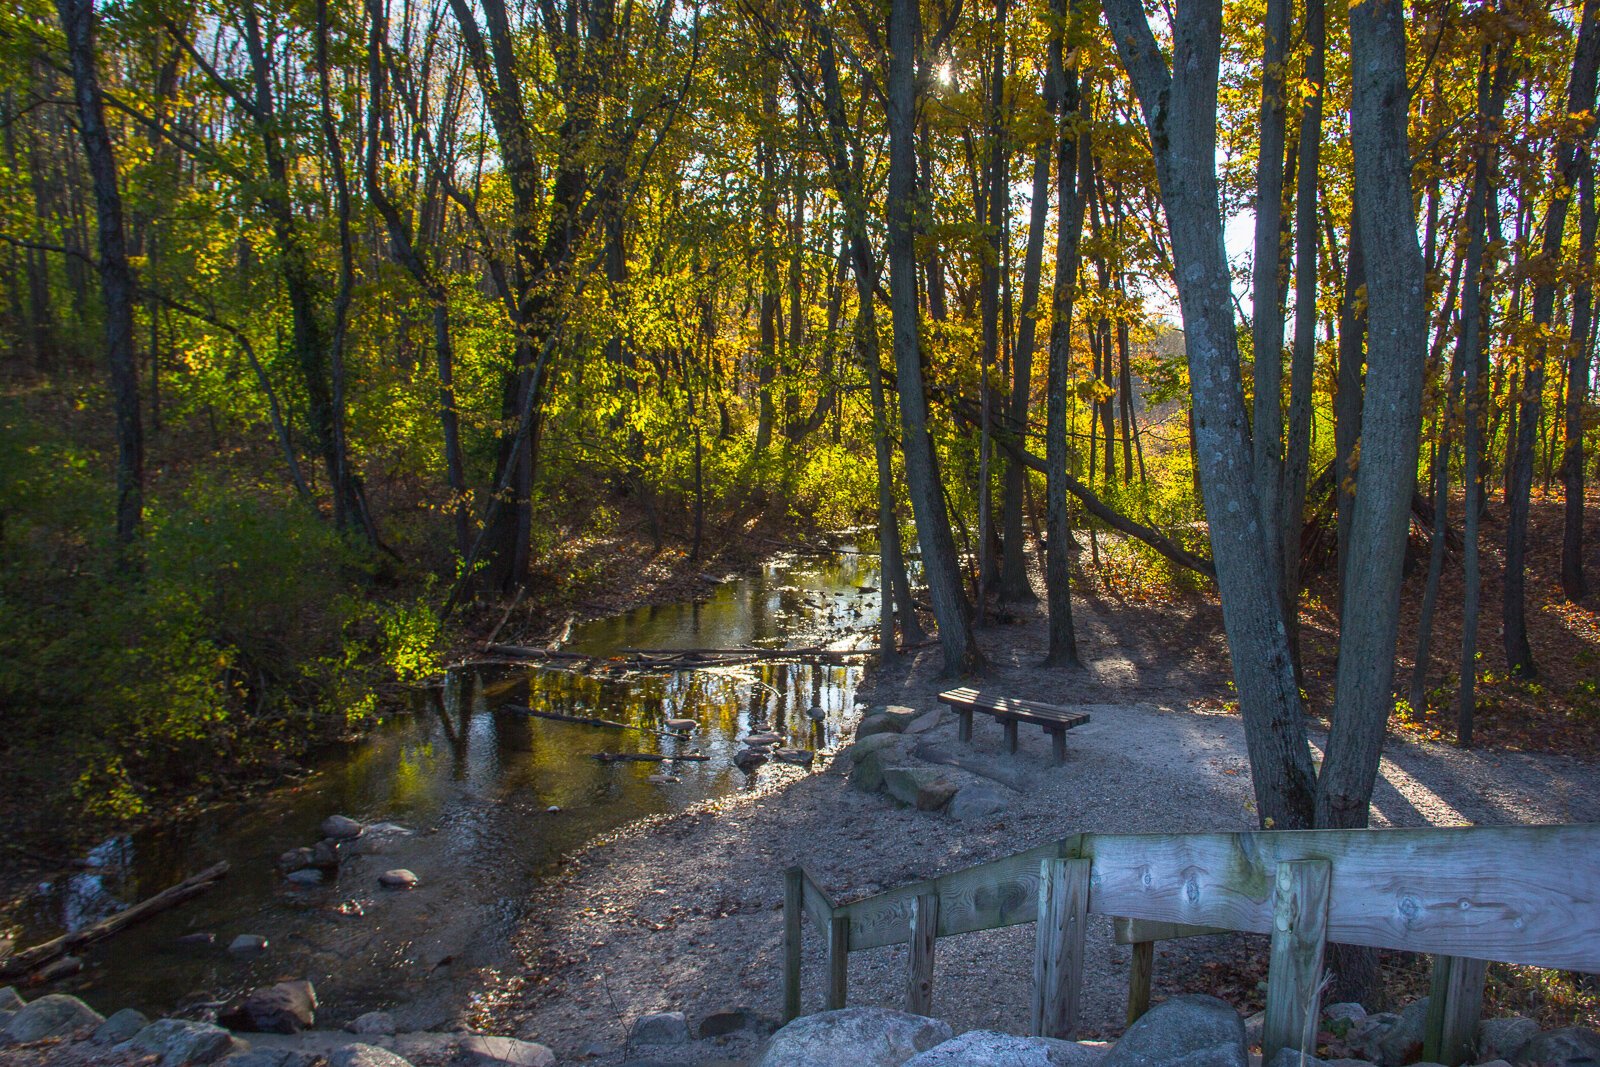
964 729
1058 745
1011 736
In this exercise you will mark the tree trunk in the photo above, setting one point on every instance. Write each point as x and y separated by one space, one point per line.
1573 584
1180 111
1569 162
1347 400
961 655
116 277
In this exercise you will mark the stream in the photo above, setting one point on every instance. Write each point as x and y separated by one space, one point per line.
466 785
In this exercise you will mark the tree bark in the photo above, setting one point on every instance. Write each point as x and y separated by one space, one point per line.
1180 112
1573 584
961 654
116 276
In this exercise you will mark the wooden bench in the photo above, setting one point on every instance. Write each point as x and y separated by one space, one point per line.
1055 720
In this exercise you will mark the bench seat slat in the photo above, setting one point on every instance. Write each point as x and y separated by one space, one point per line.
1049 715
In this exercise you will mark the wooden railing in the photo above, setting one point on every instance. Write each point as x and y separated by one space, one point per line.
1522 894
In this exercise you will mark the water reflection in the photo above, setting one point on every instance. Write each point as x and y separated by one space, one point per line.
471 775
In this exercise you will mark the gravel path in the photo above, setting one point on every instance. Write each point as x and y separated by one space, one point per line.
684 913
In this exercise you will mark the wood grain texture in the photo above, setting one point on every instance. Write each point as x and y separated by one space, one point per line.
1059 946
1294 977
1136 931
1518 894
1004 892
1454 1006
1007 708
793 922
919 963
1140 972
817 904
838 962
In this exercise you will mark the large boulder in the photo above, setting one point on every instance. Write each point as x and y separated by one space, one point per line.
662 1028
365 1056
878 724
370 1023
285 1008
120 1027
1503 1039
975 802
10 1001
183 1042
853 1037
1367 1036
480 1051
1570 1046
54 1015
1288 1057
928 720
341 828
994 1049
924 788
1193 1031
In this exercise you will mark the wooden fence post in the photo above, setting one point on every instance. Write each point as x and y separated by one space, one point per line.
1058 955
1453 1010
1294 977
793 920
919 965
1140 972
838 961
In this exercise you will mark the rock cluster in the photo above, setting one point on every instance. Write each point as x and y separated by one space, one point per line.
885 759
276 1023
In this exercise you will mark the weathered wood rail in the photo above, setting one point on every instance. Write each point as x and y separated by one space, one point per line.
1467 895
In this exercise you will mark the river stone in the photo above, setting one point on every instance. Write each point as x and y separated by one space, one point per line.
373 1022
365 1056
399 878
800 757
481 1051
661 1028
899 714
247 946
1502 1039
52 1015
1568 1047
748 759
1369 1034
307 876
863 748
295 859
341 828
120 1027
271 1057
1191 1031
866 773
1403 1041
853 1037
976 802
1288 1057
682 725
10 1001
994 1049
182 1042
928 720
201 939
924 788
285 1008
877 724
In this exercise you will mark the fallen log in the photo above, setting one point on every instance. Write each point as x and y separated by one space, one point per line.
560 717
527 652
30 960
646 757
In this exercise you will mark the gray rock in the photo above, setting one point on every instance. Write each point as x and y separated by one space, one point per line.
10 1001
480 1051
424 1046
924 788
878 724
365 1056
975 802
271 1057
748 759
53 1015
285 1008
1403 1041
853 1037
1369 1033
994 1049
306 876
120 1027
5 1019
295 859
399 878
341 828
325 855
1495 1063
1341 1020
593 1050
197 941
800 757
183 1042
1192 1031
373 1022
662 1028
899 713
866 773
1502 1039
928 720
1571 1046
247 946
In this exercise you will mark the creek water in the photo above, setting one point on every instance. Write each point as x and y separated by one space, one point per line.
466 780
